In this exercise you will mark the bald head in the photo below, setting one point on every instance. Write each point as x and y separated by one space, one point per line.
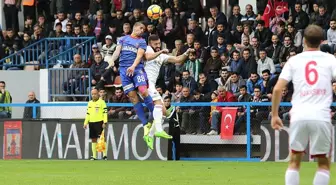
313 36
31 95
95 94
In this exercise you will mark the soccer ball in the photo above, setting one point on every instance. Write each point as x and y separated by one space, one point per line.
154 12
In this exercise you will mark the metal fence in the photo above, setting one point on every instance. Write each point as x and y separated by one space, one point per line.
195 124
48 52
69 82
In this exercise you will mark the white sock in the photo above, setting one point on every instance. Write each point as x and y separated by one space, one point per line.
157 114
292 177
152 131
322 177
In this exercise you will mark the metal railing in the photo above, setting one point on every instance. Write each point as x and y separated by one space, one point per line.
48 52
69 82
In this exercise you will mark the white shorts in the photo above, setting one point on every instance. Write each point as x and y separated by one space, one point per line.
317 133
153 92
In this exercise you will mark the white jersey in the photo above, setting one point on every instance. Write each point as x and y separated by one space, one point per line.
152 67
311 73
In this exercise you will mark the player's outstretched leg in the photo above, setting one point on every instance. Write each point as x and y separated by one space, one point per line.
158 120
292 174
139 109
322 175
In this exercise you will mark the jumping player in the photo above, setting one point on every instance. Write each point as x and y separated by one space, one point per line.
131 49
311 73
152 68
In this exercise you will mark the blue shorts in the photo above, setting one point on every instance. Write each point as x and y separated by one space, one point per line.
130 83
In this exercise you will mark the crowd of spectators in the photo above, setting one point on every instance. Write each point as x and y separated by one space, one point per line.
236 59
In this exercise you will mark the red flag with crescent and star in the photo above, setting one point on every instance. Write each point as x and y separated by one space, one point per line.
227 122
280 7
268 13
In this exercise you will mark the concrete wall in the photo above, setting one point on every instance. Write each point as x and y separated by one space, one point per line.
19 84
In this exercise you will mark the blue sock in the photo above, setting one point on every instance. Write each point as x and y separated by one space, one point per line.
139 109
150 105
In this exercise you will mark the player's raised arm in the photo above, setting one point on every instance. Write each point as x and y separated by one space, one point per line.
115 56
152 56
180 59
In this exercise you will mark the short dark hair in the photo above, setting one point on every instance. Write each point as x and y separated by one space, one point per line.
313 36
178 83
247 49
235 73
3 82
243 87
186 71
261 22
153 38
257 87
266 71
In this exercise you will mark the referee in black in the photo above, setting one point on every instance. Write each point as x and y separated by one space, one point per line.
96 119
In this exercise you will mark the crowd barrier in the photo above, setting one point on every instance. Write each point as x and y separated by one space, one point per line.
48 52
252 140
69 82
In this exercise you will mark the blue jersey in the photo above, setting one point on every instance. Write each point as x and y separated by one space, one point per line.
129 49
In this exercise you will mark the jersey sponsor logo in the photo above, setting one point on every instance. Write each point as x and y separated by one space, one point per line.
313 92
130 48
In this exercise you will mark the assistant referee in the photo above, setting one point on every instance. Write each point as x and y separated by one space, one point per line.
96 119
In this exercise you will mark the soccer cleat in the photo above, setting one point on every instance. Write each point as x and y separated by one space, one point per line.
92 158
147 128
163 134
105 158
149 141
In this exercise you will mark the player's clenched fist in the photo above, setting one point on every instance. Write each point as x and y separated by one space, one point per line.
276 123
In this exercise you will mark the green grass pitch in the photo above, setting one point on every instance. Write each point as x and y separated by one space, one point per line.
59 172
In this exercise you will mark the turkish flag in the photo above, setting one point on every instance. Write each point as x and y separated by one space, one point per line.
268 13
280 7
227 122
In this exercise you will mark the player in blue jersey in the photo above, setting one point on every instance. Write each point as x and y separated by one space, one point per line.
131 49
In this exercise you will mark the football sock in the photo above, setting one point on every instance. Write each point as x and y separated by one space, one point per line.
149 103
105 151
94 151
322 177
292 177
139 109
152 131
157 114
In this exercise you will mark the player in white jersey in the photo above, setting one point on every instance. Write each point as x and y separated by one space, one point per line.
152 69
311 73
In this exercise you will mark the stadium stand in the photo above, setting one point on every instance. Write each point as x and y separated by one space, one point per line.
237 58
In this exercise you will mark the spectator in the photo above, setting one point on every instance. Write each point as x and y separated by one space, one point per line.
169 28
119 112
235 18
314 14
214 99
190 42
237 34
247 32
99 74
220 46
200 51
331 34
241 113
193 65
58 32
173 81
99 26
295 35
198 115
236 63
249 64
103 95
265 63
61 19
263 34
77 80
98 5
44 25
300 17
213 65
273 51
108 48
284 51
11 10
225 59
323 19
221 31
209 33
219 17
186 112
176 96
28 111
224 96
193 28
117 5
136 17
205 86
188 81
252 82
5 97
255 48
224 76
266 77
249 17
234 83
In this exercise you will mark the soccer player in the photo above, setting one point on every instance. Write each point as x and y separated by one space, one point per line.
152 68
96 119
131 49
311 73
